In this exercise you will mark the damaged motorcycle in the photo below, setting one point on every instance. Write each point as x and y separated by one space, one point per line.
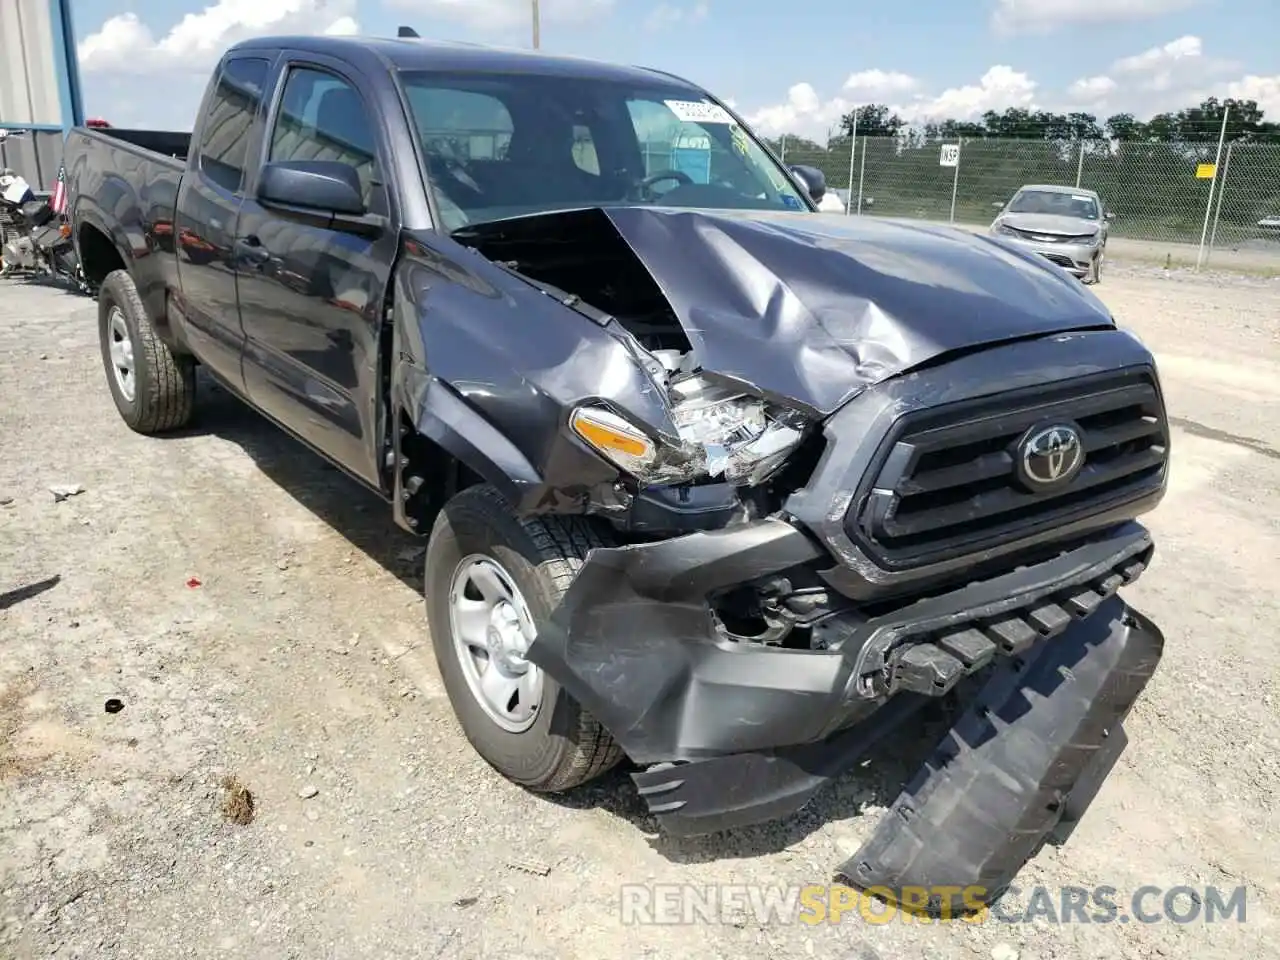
35 237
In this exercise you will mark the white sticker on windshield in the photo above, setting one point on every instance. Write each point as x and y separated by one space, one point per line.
698 111
1075 196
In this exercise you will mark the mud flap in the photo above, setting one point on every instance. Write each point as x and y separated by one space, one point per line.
1031 751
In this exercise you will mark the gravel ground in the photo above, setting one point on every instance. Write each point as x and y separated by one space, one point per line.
257 617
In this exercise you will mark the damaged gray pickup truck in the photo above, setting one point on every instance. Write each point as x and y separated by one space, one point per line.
709 481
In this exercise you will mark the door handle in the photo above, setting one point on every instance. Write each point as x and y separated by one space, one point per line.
251 249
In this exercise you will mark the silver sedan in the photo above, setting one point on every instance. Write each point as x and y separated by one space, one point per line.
1065 225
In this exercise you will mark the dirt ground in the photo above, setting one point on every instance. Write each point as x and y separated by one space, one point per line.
256 615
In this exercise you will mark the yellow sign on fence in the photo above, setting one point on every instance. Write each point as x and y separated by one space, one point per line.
1206 171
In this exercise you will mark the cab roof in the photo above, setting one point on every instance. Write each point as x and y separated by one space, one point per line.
455 56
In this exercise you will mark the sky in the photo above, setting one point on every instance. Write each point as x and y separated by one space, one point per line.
788 68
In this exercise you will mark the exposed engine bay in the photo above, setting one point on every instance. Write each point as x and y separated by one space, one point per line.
727 431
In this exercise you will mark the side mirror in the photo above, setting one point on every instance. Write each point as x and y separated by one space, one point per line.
814 180
322 186
998 205
1110 215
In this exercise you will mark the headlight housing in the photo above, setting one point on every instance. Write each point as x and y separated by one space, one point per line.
724 433
1003 230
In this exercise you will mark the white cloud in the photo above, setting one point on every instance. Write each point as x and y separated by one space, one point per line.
1165 77
871 86
666 15
1091 89
1043 16
999 88
498 15
1265 90
804 114
124 44
1161 58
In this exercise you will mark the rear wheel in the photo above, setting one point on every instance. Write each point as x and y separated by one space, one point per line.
153 388
492 580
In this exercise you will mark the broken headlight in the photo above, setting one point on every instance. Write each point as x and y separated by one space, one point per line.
724 433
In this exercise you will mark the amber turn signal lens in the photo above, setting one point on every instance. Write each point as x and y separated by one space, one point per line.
613 437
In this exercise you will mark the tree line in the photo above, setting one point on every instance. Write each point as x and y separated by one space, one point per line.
1150 172
1201 123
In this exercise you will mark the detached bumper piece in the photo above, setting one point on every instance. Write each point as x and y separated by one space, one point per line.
724 793
1031 751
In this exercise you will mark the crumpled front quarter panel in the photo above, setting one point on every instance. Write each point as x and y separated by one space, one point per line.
513 362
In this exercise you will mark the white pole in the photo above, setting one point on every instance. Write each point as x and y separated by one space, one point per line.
862 170
1208 207
784 148
1080 165
1222 192
537 26
853 148
955 180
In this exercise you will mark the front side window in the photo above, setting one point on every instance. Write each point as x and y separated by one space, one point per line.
322 117
500 146
224 140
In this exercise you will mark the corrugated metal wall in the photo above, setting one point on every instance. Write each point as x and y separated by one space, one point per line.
35 154
30 87
39 86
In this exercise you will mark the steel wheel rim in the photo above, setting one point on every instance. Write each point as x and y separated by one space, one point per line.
121 350
491 629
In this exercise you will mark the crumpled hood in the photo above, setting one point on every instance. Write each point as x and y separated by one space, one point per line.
816 308
1050 223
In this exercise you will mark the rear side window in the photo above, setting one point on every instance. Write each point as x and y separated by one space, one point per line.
224 141
322 117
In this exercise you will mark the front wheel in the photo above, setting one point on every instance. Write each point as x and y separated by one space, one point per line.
491 580
1095 270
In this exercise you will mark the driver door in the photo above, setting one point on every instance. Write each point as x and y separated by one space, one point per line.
311 297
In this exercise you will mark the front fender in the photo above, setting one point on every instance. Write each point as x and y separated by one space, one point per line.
488 368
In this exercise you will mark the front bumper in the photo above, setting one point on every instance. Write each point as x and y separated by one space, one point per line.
1076 258
752 730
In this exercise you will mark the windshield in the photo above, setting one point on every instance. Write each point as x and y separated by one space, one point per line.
500 146
1078 205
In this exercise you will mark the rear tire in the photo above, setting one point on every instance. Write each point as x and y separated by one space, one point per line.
560 746
154 389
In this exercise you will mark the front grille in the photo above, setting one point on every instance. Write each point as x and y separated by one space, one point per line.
945 482
1051 237
1060 260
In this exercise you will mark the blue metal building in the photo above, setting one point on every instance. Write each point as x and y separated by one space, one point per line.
39 86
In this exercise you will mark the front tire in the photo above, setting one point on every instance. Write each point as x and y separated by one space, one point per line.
1095 270
492 580
154 389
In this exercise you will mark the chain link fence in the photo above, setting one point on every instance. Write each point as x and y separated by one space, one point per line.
1160 192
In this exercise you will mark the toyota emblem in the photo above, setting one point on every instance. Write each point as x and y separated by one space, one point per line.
1050 456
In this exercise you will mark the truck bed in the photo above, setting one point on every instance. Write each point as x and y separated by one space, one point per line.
123 185
162 146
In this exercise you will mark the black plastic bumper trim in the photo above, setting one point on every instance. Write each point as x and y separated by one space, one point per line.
634 641
1032 748
724 793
